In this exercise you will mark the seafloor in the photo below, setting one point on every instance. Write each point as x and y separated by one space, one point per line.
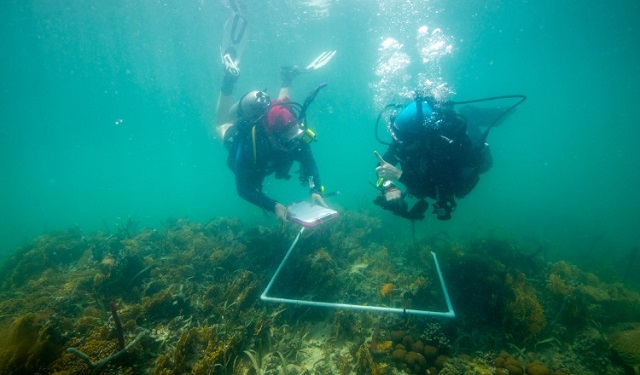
185 299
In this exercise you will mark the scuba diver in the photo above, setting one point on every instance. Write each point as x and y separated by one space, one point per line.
441 154
265 136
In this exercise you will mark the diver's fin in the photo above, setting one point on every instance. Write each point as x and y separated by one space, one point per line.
230 62
236 6
290 72
234 37
320 61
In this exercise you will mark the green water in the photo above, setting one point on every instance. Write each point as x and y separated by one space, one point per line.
106 109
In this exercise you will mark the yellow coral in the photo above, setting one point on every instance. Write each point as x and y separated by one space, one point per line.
457 249
217 257
107 264
557 285
366 364
524 311
386 289
480 367
420 282
627 345
595 294
384 346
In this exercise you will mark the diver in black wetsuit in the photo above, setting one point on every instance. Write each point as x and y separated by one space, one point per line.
441 156
265 137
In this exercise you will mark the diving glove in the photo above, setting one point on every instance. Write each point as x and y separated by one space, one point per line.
391 191
397 206
417 211
390 198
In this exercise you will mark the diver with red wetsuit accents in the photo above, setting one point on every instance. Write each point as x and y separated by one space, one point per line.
265 137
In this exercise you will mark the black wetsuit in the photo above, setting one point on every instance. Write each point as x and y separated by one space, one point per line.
251 169
440 164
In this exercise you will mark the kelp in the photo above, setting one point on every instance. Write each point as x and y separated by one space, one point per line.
186 298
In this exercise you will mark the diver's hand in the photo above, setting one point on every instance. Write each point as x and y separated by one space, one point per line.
288 73
385 170
317 199
281 212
